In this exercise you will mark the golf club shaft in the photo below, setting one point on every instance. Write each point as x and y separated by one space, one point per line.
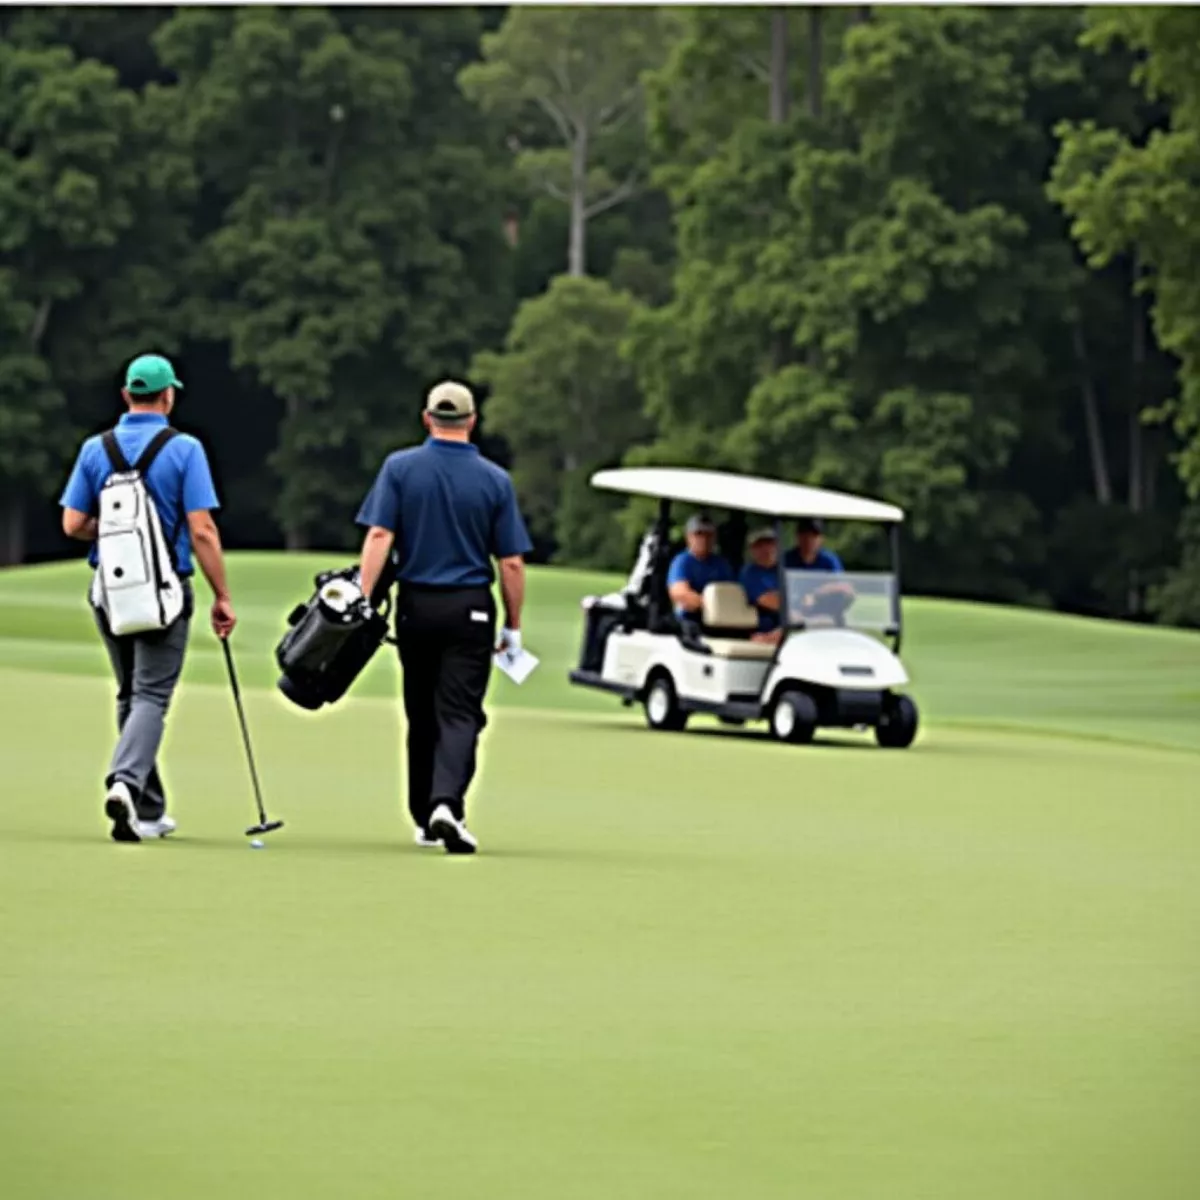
237 699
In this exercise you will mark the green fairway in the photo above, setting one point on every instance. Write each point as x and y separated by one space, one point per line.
684 965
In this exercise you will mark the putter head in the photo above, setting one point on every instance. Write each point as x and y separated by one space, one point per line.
265 827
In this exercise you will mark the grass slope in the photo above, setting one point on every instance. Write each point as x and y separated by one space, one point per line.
970 663
694 966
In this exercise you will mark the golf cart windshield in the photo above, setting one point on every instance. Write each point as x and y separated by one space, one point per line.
868 601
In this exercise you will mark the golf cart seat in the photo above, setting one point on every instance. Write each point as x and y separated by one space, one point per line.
726 613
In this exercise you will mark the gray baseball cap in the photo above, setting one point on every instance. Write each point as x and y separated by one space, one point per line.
450 401
763 534
699 523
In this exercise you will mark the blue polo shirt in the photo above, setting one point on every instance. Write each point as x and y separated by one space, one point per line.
757 581
179 480
826 560
451 510
697 573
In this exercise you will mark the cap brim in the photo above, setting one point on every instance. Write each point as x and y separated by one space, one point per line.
152 391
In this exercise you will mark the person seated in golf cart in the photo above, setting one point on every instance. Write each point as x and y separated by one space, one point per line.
760 581
809 554
693 569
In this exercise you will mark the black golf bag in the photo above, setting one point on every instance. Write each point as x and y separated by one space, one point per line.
332 637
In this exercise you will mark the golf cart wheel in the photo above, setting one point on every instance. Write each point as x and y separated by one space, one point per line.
897 724
662 705
794 717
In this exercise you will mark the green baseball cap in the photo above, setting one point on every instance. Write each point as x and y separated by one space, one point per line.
149 374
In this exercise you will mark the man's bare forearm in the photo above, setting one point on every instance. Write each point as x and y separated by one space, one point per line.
80 526
377 545
512 590
206 545
683 595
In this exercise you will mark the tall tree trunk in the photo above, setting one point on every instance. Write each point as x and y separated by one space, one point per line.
1091 415
1137 373
777 109
815 84
12 531
40 320
295 535
577 247
1137 456
1151 457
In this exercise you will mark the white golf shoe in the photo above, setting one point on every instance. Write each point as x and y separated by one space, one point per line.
120 810
452 832
161 828
423 838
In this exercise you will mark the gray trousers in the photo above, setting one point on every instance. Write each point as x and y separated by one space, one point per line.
147 667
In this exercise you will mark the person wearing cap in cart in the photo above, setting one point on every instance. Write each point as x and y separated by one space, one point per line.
810 554
760 581
693 569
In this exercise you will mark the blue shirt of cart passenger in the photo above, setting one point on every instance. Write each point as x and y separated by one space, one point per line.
698 565
808 554
760 578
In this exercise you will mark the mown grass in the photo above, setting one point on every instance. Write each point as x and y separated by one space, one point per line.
684 966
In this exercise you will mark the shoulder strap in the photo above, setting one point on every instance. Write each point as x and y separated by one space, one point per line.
118 460
157 442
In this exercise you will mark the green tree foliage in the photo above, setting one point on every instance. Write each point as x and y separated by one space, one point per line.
352 245
822 240
1136 196
564 401
884 299
89 177
566 83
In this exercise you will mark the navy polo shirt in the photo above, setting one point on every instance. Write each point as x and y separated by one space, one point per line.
451 510
179 480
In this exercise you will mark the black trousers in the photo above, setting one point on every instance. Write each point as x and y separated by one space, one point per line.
446 639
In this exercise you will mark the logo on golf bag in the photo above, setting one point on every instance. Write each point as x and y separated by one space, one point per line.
136 585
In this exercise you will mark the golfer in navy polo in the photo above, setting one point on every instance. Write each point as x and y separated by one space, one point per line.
147 665
449 512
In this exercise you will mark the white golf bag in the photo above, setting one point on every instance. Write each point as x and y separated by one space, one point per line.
136 585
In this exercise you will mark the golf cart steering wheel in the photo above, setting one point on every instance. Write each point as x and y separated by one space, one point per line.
830 600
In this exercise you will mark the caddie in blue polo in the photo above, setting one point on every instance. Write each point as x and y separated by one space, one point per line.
144 551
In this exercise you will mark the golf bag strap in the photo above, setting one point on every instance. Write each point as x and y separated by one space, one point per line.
151 452
119 462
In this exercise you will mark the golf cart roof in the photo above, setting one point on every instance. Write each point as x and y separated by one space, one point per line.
745 493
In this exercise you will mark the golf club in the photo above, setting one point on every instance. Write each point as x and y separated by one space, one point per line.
263 826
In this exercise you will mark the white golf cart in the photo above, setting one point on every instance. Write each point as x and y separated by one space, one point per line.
831 666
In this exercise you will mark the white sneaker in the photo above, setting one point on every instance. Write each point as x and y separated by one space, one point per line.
452 832
161 828
118 807
422 838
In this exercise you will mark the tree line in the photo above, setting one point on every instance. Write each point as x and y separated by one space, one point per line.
939 255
